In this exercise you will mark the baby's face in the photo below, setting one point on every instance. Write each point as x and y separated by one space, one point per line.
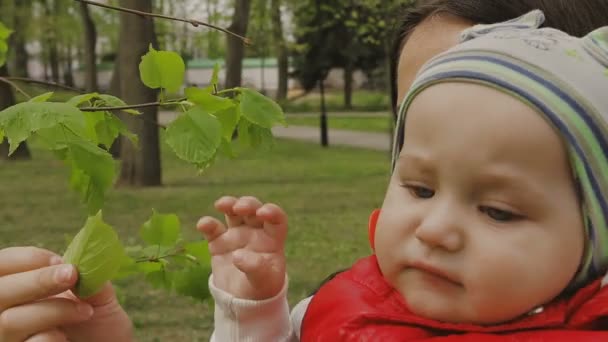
481 221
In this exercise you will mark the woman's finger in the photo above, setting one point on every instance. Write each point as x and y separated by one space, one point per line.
25 287
23 259
20 322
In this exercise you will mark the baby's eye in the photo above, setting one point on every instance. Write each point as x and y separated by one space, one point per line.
420 191
499 215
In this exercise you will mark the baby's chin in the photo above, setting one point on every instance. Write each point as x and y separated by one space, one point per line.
459 312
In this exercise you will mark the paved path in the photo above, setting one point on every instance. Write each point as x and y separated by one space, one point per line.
374 141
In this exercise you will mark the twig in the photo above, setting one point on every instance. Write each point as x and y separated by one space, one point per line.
52 84
12 84
141 105
192 22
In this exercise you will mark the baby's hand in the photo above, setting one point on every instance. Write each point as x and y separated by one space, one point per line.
248 255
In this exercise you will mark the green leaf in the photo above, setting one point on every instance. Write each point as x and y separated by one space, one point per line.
261 137
243 132
209 102
5 32
42 97
80 99
20 121
1 136
200 251
93 172
162 69
108 129
127 268
160 279
195 136
149 266
97 254
226 148
3 52
215 77
228 118
113 101
260 109
192 282
163 230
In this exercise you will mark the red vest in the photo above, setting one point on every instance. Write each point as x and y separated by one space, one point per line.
359 305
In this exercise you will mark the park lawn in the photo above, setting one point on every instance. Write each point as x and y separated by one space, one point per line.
328 193
374 123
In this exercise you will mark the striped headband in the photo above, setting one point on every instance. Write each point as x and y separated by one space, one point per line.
563 77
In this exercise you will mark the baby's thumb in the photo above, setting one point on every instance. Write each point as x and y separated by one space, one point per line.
264 270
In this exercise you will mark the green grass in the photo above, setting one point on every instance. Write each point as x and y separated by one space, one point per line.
328 194
362 100
377 123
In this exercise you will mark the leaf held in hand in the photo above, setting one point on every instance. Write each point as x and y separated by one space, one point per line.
97 254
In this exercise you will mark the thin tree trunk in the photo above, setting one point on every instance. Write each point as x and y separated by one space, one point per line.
348 85
90 42
281 46
324 133
7 99
140 167
234 47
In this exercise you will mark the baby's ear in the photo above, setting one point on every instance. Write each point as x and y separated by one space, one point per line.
530 20
596 43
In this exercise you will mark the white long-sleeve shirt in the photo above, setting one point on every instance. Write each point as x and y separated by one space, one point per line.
245 320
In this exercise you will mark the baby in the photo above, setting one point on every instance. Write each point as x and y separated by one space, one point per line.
494 224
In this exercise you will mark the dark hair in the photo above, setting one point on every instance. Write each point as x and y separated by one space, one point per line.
576 18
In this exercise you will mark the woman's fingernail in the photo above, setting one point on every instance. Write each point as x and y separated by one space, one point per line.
84 309
64 273
56 260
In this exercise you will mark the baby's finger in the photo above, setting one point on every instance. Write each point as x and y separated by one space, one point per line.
275 221
226 205
48 336
233 239
246 207
34 285
23 259
20 322
210 227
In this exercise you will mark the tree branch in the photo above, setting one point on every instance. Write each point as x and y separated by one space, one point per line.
192 22
52 84
12 84
141 105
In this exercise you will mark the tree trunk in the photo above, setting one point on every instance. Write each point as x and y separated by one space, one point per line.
51 40
234 47
281 46
68 73
90 42
22 11
7 99
140 167
348 85
115 90
324 133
